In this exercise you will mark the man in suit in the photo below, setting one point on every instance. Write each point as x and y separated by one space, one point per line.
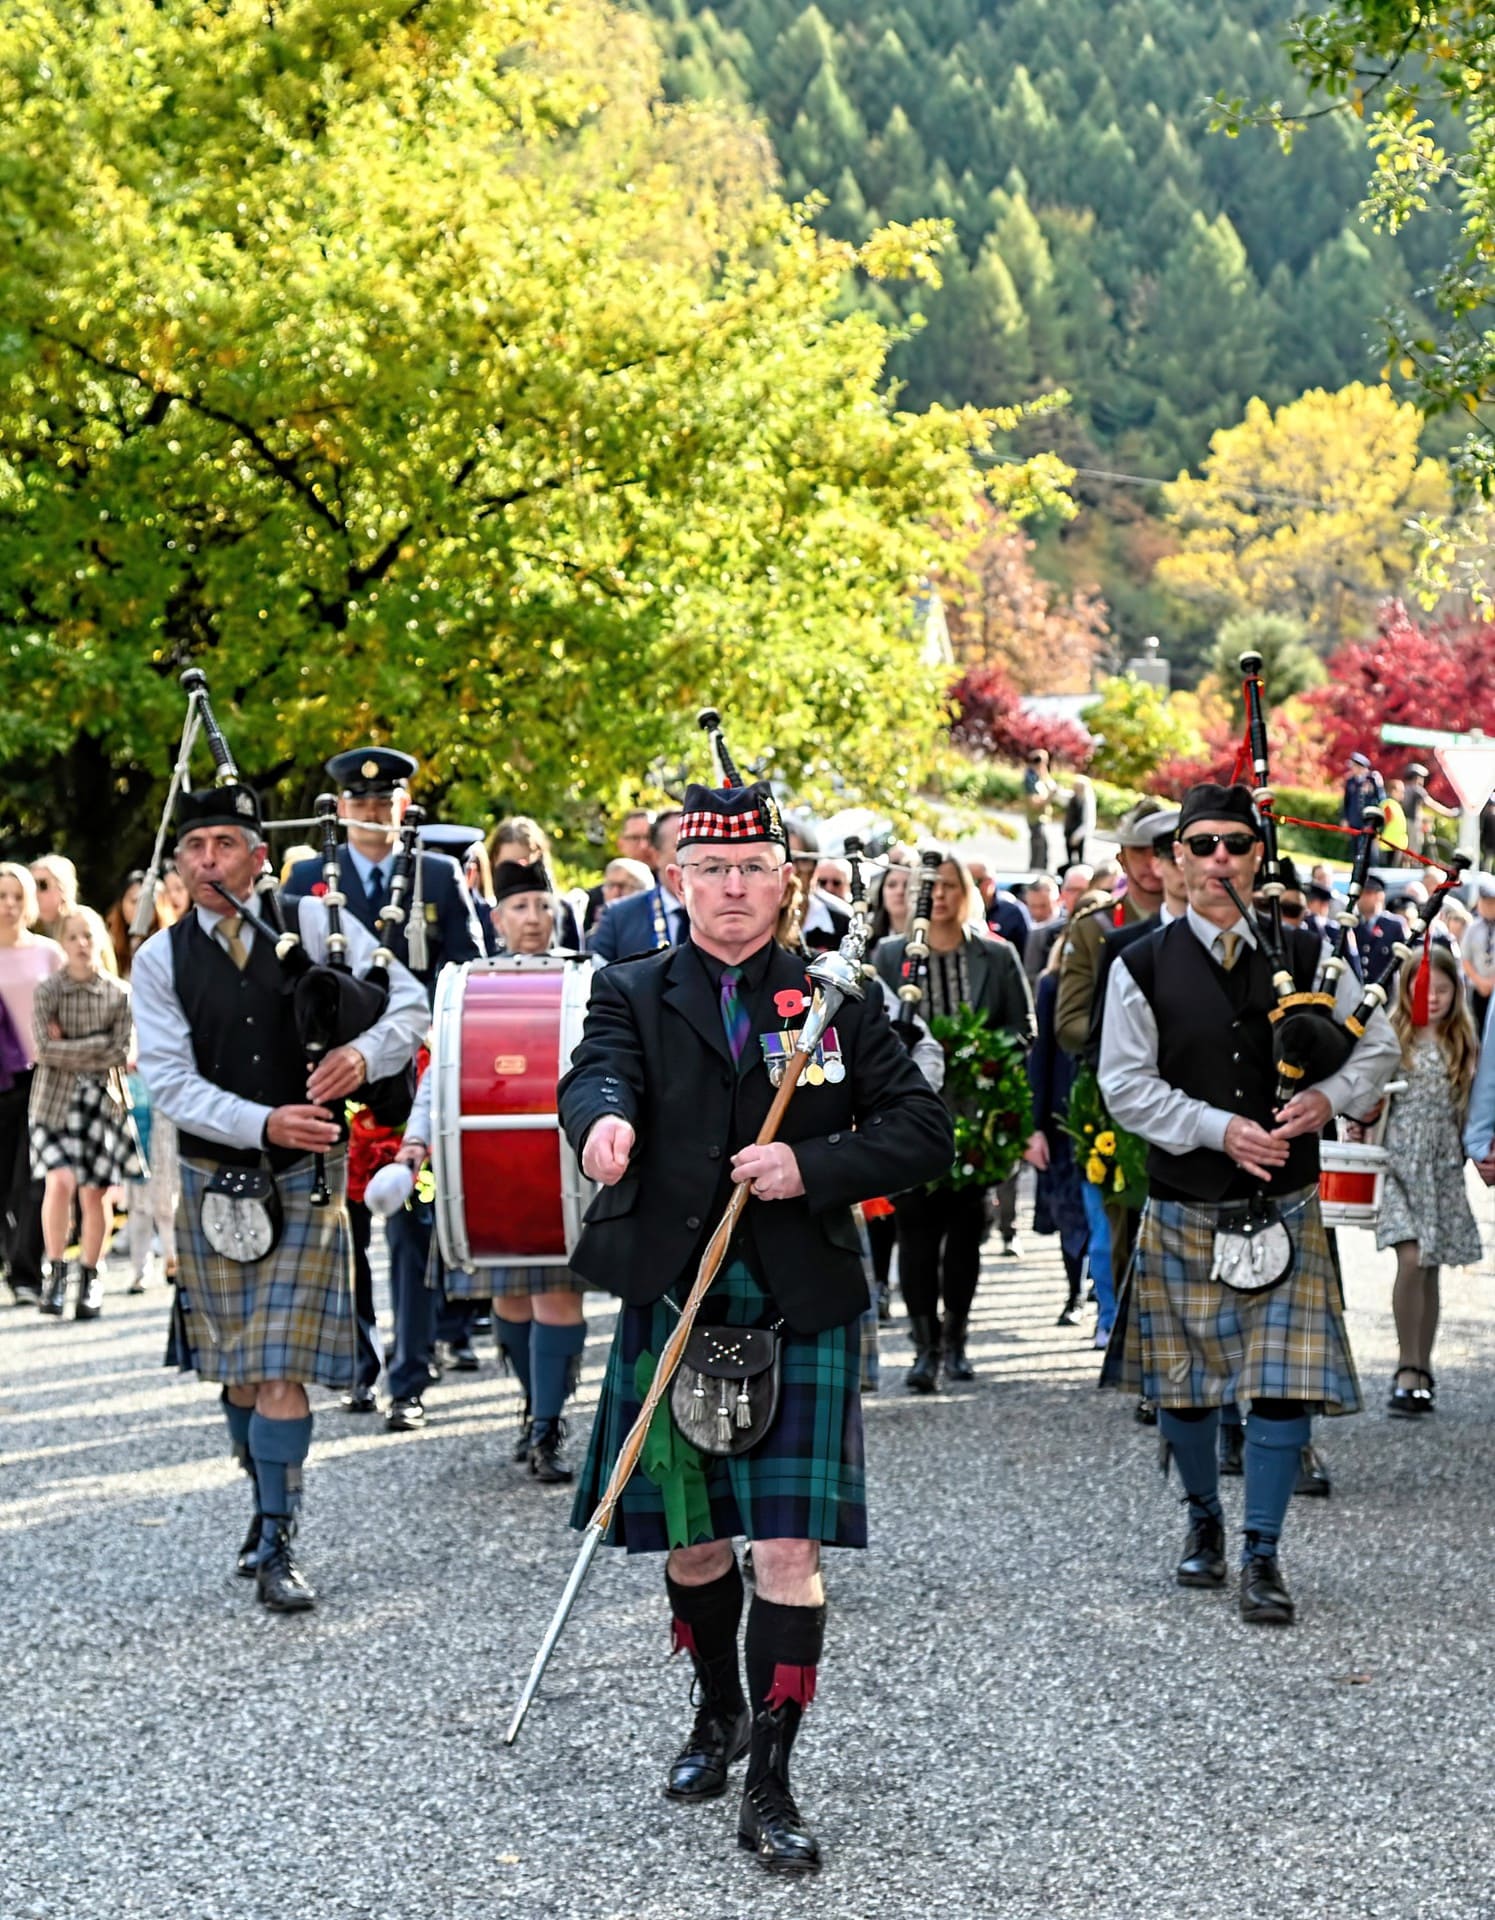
1378 931
665 1097
644 922
823 918
373 793
635 842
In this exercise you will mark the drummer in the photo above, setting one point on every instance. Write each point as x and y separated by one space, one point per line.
538 1309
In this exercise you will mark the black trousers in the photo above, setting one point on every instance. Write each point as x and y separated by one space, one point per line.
939 1248
363 1294
20 1195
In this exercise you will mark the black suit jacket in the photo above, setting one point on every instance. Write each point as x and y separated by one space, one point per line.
629 927
999 987
452 930
653 1052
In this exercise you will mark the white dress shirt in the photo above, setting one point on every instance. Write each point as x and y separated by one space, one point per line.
169 1067
1141 1100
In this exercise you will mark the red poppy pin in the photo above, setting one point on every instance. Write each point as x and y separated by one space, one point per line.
790 1002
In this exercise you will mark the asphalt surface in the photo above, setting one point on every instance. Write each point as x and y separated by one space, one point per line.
1019 1714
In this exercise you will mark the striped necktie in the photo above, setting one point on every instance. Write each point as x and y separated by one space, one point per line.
736 1021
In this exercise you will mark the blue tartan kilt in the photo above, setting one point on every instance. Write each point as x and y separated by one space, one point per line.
806 1478
286 1317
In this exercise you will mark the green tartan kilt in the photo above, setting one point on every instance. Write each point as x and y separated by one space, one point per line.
1184 1340
805 1480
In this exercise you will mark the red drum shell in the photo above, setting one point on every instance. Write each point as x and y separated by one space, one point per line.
508 1189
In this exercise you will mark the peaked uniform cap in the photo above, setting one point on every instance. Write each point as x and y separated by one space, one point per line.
366 770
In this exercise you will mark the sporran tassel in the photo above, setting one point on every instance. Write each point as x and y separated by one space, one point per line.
724 1418
744 1406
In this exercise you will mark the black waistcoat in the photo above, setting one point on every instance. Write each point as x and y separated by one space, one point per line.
243 1032
1215 1044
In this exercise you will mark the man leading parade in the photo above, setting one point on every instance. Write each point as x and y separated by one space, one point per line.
666 1094
1187 1062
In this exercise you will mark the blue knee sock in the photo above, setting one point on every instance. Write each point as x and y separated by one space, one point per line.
552 1349
513 1344
1272 1449
1194 1444
279 1448
238 1419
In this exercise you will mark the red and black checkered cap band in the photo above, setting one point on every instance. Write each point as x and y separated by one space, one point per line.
730 816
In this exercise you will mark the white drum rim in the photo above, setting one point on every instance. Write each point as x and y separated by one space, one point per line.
446 1115
576 1189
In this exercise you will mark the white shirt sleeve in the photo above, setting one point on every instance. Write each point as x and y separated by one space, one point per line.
168 1065
1373 1060
393 1039
1135 1093
418 1126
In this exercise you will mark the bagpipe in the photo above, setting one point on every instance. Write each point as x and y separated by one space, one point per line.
331 1005
1310 1040
915 982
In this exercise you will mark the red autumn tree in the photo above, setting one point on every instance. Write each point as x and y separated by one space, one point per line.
991 723
1441 676
1004 614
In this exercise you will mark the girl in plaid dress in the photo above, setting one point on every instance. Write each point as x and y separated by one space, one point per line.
80 1141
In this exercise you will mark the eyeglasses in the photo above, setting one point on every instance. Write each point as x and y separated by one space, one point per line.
714 872
1202 845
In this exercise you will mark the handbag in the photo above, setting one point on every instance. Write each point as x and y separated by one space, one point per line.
725 1393
242 1214
1254 1251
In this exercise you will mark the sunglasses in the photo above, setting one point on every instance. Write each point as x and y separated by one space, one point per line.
1202 845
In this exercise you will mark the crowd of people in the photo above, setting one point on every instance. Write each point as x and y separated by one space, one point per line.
169 1080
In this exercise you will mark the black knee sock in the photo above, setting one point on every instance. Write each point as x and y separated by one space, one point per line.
783 1655
704 1624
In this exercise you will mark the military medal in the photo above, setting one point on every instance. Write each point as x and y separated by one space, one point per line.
828 1053
815 1074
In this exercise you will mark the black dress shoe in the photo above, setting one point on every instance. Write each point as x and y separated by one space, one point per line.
699 1770
772 1827
283 1588
547 1457
405 1416
1232 1450
27 1293
248 1561
1265 1600
90 1295
1203 1562
924 1375
1145 1413
1313 1475
1415 1400
360 1400
521 1438
462 1357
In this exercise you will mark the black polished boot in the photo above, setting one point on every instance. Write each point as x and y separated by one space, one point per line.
924 1375
770 1824
957 1367
54 1289
1203 1562
1313 1475
282 1586
718 1737
1265 1600
520 1454
1069 1313
547 1457
90 1295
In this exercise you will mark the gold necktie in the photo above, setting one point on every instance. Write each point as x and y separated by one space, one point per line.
1230 946
230 927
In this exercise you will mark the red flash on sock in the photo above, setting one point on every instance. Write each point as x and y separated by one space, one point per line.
682 1638
791 1683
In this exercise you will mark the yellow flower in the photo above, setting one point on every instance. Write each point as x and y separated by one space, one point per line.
1095 1170
1105 1143
1118 1180
1090 1129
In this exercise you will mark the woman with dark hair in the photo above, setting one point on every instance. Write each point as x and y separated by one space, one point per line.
940 1230
121 917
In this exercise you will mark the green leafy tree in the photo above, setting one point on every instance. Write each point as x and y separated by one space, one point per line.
1289 664
1135 729
420 373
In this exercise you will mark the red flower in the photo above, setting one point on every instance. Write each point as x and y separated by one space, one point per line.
319 887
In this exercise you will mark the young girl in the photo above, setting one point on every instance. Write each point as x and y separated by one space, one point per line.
1425 1212
80 1141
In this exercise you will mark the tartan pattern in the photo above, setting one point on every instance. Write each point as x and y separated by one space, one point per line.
94 1139
94 1015
805 1480
506 1283
750 824
288 1316
737 1022
1188 1341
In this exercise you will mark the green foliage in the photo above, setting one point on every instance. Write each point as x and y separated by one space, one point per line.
1159 273
1107 1155
421 374
1136 729
1289 664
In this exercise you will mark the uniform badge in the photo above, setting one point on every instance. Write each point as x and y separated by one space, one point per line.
431 912
243 804
772 817
369 769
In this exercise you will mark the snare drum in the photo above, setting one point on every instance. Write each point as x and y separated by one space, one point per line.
508 1187
1350 1176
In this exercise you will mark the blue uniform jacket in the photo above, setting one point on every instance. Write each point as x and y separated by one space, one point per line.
452 930
631 926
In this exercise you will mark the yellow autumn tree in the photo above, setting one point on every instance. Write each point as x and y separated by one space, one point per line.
1305 511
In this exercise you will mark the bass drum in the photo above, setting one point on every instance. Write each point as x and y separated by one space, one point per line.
509 1190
